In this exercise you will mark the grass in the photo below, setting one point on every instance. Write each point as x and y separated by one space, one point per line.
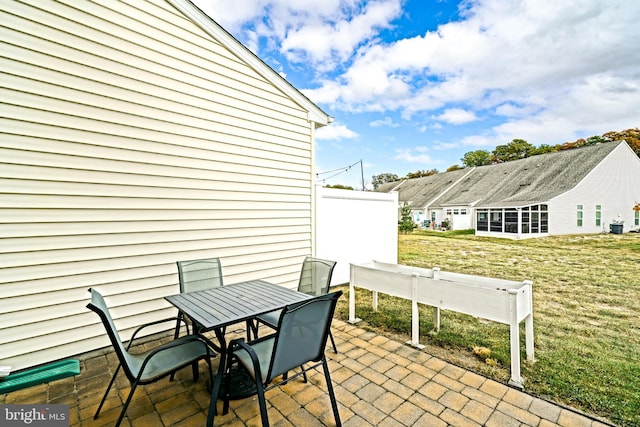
586 298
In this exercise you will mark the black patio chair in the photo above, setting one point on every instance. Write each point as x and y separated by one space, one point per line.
315 279
152 365
300 338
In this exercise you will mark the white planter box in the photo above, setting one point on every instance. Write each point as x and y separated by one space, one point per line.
502 301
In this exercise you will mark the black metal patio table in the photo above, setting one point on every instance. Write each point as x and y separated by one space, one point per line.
215 309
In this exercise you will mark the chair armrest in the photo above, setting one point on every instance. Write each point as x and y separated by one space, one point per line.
238 344
133 336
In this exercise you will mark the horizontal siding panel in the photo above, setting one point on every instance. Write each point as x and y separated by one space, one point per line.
189 153
104 240
42 265
75 253
64 216
176 195
80 113
90 202
66 86
74 228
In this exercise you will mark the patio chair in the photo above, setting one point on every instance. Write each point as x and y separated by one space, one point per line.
300 338
152 365
197 275
315 279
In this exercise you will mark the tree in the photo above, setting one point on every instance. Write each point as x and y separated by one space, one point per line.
516 149
420 174
378 180
543 149
632 136
453 168
406 223
339 186
476 158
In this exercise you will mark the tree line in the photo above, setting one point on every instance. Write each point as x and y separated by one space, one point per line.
518 149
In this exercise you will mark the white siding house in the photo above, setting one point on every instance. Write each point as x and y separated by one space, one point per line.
577 191
136 134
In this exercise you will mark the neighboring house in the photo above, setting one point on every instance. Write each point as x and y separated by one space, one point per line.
576 191
136 134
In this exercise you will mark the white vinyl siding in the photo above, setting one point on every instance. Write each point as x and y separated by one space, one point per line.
131 139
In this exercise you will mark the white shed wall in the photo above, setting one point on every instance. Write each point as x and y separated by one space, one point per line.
356 227
130 139
614 184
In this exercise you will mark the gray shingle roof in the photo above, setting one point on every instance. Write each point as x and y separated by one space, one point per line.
532 180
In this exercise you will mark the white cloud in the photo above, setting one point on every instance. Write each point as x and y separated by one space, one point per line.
456 116
408 155
387 121
335 131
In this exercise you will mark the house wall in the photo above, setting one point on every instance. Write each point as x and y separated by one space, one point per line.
131 139
356 227
614 184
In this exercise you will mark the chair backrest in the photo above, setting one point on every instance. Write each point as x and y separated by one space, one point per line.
315 276
302 334
99 306
199 274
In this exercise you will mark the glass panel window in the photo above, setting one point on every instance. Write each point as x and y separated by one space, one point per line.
579 216
637 218
510 221
544 222
535 222
496 221
525 221
482 220
598 215
463 211
448 211
456 211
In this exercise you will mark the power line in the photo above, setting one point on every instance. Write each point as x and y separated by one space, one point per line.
342 170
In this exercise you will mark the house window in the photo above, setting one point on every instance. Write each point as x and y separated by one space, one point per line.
598 215
510 221
449 212
526 220
579 218
456 211
463 211
637 218
496 220
482 221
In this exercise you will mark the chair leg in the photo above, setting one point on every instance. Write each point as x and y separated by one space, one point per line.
215 392
333 343
176 334
263 404
126 404
106 392
332 396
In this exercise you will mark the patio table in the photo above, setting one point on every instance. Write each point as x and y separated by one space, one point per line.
216 308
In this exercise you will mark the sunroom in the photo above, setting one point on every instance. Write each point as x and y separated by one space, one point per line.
513 222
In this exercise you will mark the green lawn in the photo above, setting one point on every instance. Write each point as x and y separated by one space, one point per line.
586 298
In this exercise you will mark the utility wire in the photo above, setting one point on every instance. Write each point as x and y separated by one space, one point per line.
339 171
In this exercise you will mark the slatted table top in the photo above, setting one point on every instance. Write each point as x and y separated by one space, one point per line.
222 306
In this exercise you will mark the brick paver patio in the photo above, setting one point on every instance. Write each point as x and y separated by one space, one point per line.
378 382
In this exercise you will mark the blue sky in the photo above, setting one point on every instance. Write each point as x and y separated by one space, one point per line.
415 84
